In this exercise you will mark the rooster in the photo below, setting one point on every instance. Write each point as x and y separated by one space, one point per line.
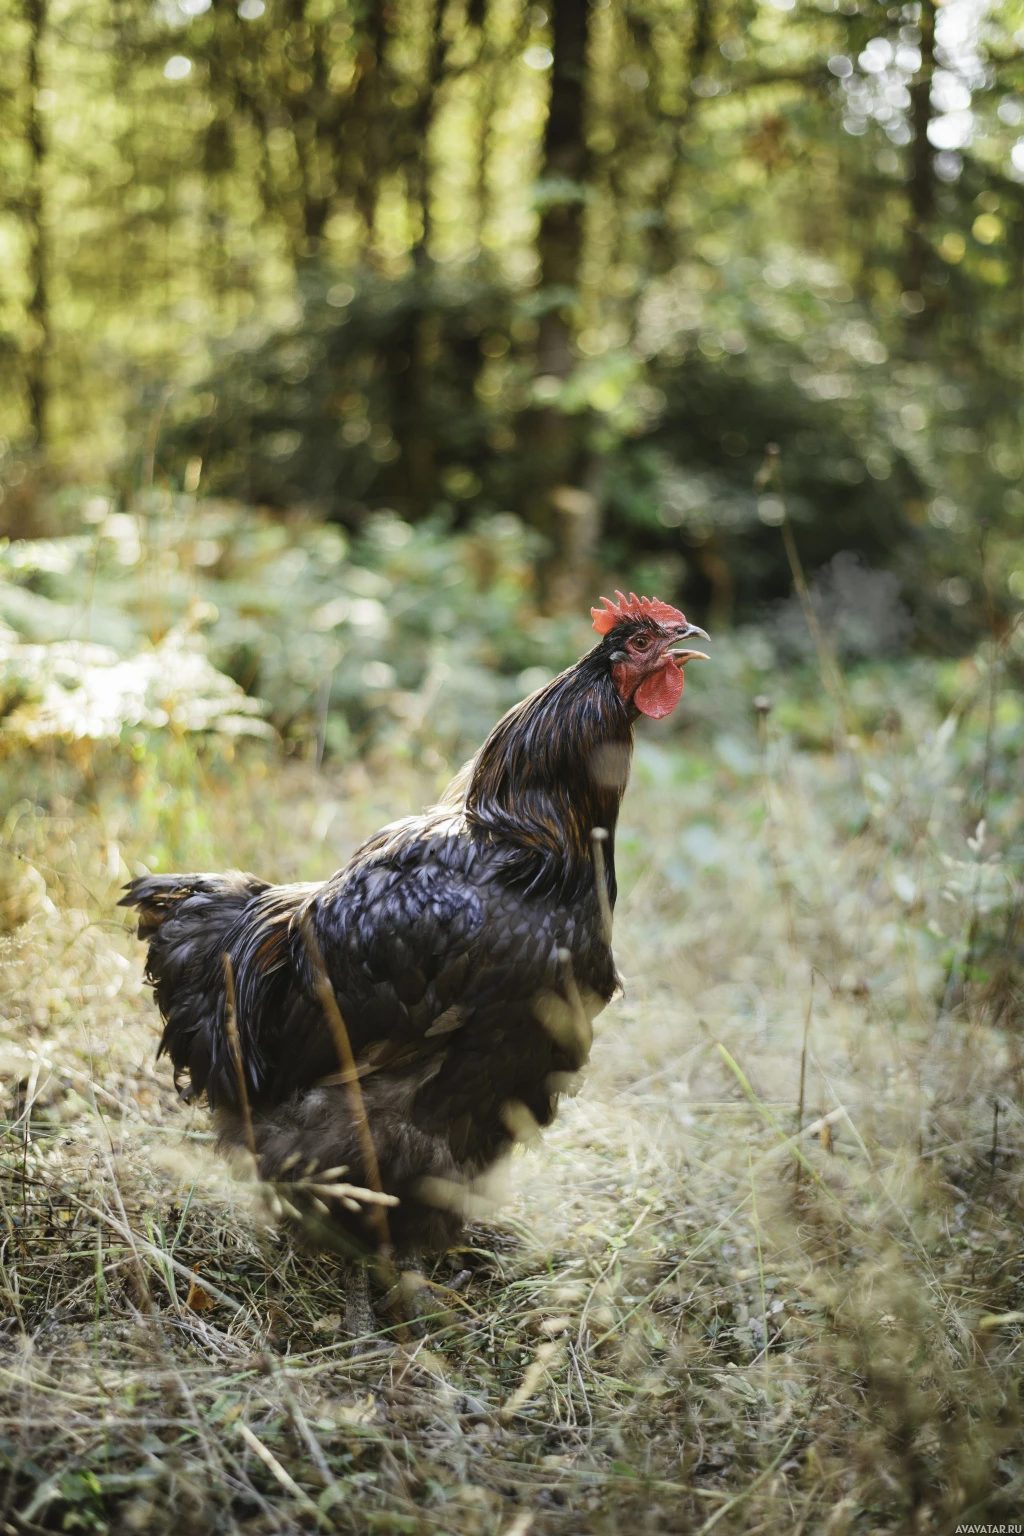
408 1019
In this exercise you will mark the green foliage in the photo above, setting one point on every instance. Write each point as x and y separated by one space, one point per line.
352 263
367 397
327 413
415 637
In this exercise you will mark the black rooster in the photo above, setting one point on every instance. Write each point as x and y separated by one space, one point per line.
450 970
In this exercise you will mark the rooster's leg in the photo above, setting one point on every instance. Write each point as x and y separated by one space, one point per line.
360 1322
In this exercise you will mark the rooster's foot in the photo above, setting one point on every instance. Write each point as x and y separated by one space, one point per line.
413 1298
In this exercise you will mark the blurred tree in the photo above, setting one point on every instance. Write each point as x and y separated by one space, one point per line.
37 340
917 258
562 489
566 257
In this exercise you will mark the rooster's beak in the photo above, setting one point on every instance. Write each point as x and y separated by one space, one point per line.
681 657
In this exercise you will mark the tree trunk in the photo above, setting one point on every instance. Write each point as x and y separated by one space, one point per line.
564 175
487 101
418 172
663 249
38 344
917 251
564 497
366 123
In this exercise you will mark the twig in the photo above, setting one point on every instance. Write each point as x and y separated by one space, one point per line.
231 1025
815 1128
136 1242
347 1061
960 969
284 1478
770 473
762 709
322 711
760 1261
583 1390
986 768
761 1107
746 1492
376 1216
300 1424
598 838
584 1027
803 1066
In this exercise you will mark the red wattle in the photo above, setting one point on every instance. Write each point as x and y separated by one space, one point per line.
659 694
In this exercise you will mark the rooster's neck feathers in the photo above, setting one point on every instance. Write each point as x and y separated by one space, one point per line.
552 769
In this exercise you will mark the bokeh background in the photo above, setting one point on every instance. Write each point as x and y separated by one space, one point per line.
455 260
348 351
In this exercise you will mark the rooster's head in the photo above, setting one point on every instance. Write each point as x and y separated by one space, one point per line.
641 643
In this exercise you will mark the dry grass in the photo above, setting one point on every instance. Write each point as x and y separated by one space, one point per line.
686 1313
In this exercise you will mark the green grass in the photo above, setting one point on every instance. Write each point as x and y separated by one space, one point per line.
691 1308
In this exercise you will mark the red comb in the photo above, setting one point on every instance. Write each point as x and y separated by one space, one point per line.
633 607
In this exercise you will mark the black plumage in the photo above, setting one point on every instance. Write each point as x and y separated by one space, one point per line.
466 949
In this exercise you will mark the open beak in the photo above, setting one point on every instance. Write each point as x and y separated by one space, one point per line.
681 657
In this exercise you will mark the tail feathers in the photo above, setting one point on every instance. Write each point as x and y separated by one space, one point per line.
191 923
157 897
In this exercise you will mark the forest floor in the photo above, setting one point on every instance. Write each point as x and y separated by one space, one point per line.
764 1274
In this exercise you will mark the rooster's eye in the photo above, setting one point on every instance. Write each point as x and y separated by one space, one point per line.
641 643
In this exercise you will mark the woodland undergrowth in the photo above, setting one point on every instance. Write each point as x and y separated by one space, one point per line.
764 1273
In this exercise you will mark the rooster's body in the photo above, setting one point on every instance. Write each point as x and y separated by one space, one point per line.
467 950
